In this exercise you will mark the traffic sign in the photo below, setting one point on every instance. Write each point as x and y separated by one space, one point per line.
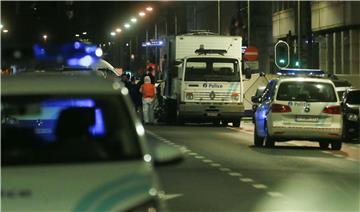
251 53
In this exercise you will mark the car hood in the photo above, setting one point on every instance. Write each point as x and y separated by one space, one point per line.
85 187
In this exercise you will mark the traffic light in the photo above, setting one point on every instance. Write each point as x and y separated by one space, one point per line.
282 54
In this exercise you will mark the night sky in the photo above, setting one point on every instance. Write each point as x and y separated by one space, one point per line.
28 21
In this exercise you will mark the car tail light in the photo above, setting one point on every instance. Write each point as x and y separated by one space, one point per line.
279 108
332 110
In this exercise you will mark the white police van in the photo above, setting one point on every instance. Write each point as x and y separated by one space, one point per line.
304 106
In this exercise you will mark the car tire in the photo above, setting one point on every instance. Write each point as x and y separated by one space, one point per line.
258 141
216 123
236 123
224 123
269 141
336 145
324 144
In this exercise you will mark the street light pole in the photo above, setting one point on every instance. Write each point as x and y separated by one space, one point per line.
299 33
218 5
248 19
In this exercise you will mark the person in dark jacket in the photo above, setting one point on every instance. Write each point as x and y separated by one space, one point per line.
135 94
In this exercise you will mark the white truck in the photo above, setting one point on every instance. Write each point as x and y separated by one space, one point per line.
203 78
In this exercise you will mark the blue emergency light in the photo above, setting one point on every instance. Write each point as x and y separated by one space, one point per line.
301 72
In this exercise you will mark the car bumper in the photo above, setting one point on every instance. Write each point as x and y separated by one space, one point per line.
305 133
226 111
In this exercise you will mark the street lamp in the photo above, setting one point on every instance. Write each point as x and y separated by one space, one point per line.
118 30
149 9
142 14
134 20
77 35
84 33
113 33
45 37
127 25
5 30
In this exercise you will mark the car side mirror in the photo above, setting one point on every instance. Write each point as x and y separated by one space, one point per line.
256 99
247 73
166 155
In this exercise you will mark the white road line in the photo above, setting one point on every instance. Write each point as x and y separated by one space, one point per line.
275 194
207 161
246 180
259 186
215 165
351 159
192 153
339 156
224 169
235 174
326 152
199 157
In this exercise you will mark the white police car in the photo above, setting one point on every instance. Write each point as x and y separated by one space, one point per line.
73 143
299 108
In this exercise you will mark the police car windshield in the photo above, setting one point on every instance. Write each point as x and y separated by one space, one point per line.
306 91
212 69
45 130
354 97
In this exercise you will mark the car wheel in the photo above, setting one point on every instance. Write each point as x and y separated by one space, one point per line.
216 123
336 145
236 123
225 123
258 141
269 141
323 144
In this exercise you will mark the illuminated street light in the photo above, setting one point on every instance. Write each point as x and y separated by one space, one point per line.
149 9
45 37
77 35
118 30
84 33
142 14
134 20
5 31
112 33
127 25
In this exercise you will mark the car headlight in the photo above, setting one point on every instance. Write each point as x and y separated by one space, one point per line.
234 96
189 96
352 117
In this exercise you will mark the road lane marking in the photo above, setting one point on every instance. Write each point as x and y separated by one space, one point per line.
326 152
275 194
339 156
246 180
224 169
192 153
351 159
207 161
215 164
235 174
259 186
199 157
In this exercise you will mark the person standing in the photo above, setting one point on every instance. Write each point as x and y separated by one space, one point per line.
135 95
148 91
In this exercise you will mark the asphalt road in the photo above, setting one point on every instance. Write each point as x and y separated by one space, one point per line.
223 171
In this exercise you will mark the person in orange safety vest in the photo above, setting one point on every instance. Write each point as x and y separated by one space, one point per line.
148 91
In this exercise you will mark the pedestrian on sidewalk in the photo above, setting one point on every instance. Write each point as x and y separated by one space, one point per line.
148 91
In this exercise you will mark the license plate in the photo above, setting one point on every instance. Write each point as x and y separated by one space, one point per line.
212 114
307 118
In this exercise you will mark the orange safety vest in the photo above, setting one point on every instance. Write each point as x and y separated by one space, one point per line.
148 90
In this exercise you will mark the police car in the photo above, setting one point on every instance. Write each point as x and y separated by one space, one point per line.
304 106
73 143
